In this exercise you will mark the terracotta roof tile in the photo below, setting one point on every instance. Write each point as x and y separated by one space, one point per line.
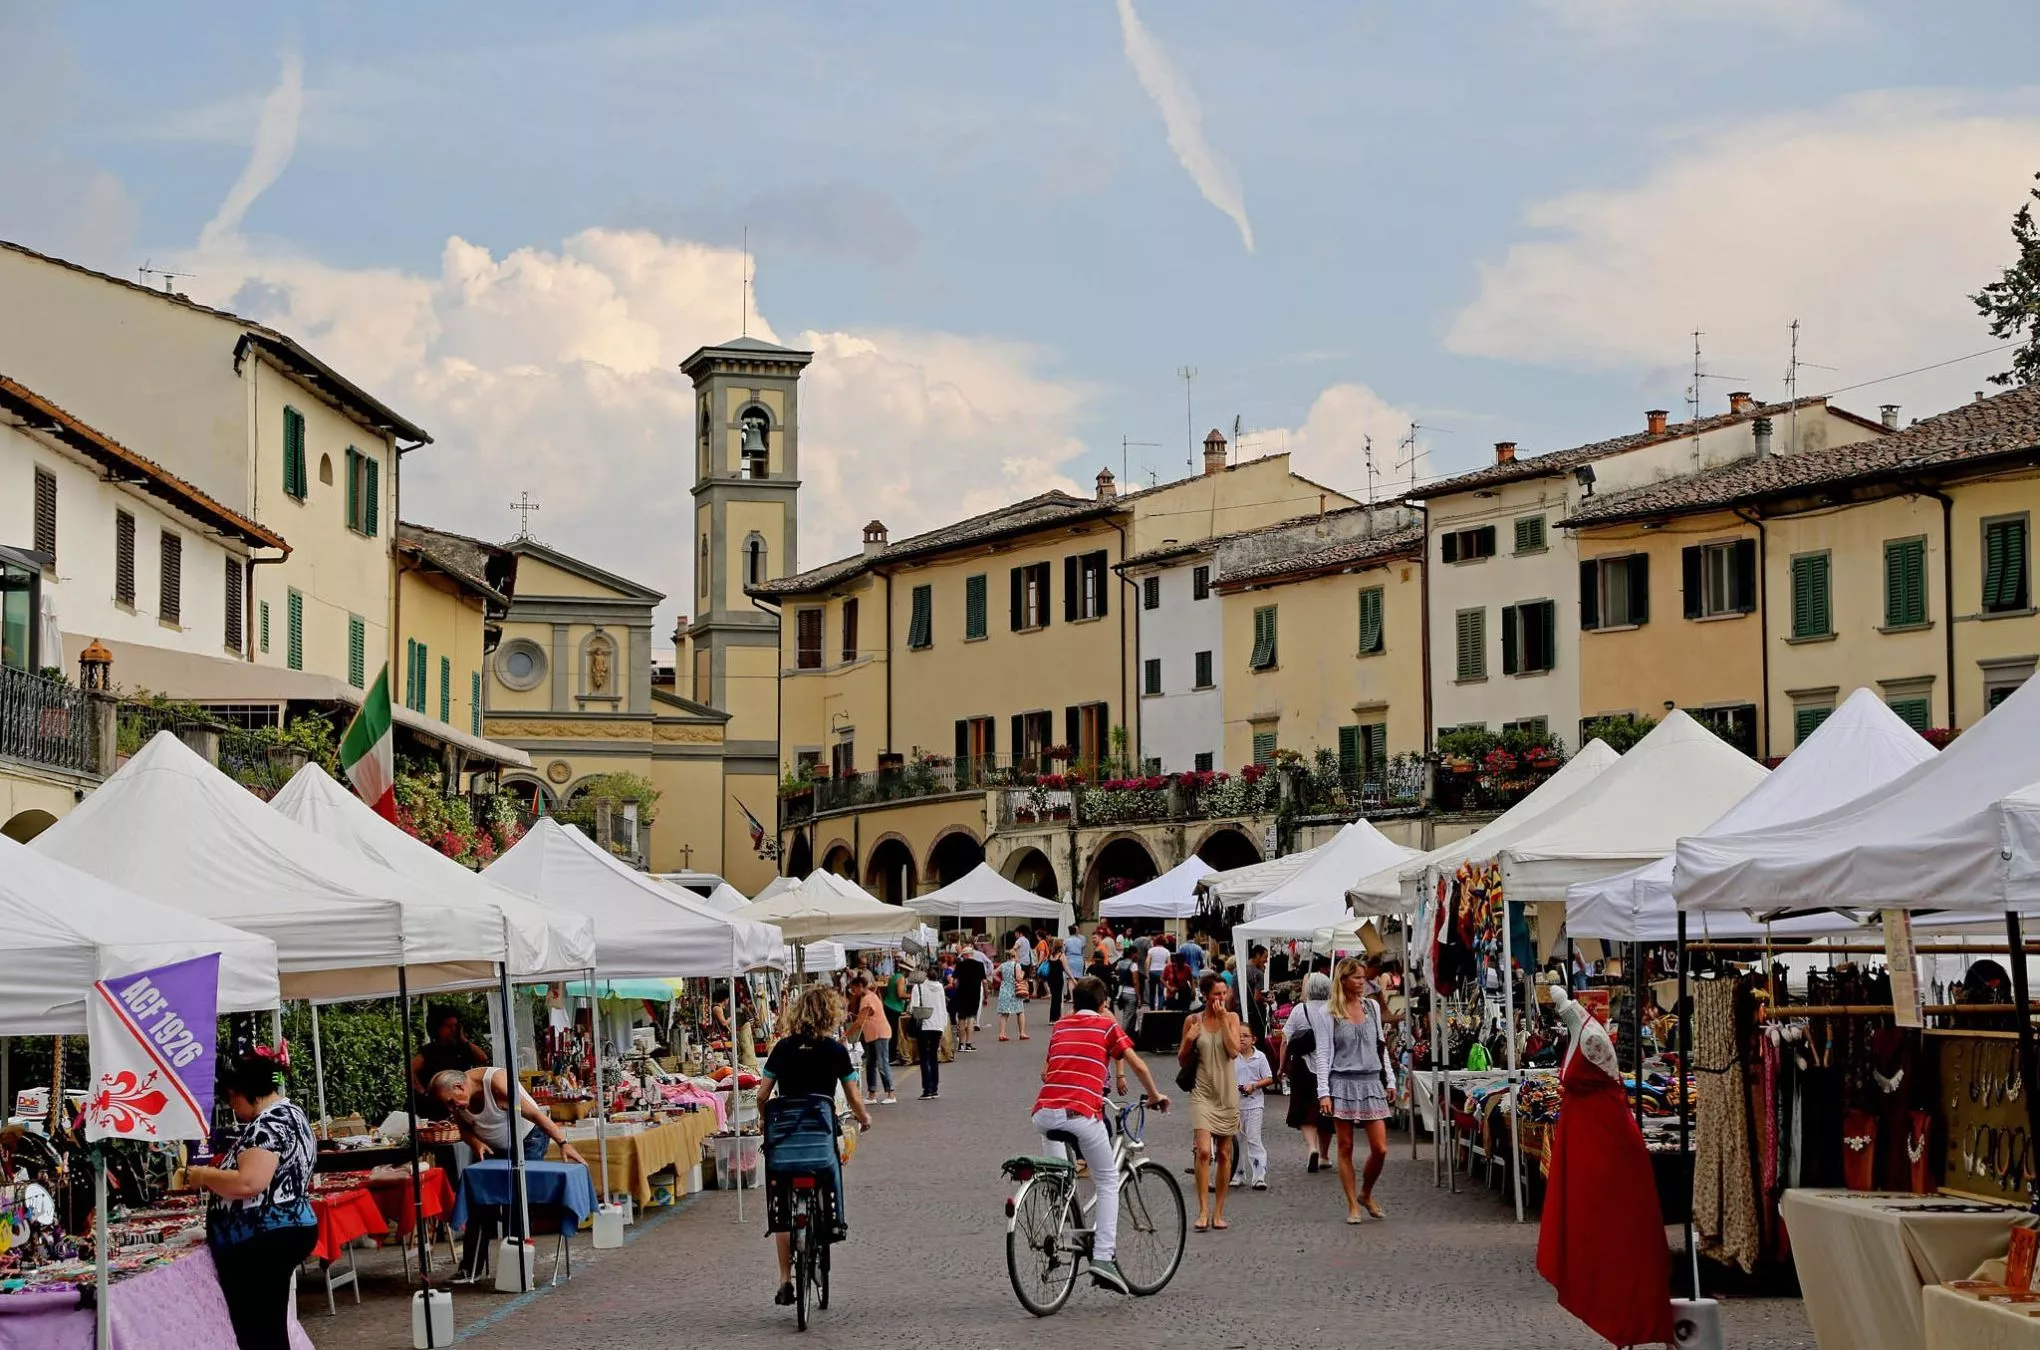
1336 556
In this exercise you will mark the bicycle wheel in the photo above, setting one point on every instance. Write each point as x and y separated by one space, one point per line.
1040 1257
822 1277
1152 1226
803 1275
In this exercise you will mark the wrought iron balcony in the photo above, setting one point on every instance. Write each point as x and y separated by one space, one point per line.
46 722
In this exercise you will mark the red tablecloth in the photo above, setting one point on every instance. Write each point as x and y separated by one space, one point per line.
343 1217
393 1197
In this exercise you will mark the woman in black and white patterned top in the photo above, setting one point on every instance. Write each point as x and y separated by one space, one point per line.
260 1223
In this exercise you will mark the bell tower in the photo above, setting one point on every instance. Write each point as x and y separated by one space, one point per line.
746 522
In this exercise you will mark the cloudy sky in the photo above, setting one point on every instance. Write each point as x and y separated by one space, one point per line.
1005 228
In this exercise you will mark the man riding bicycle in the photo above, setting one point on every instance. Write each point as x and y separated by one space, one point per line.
1081 1048
808 1063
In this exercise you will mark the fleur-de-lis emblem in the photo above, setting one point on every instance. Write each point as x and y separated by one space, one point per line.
125 1105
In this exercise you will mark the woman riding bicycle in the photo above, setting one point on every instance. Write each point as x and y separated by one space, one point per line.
809 1062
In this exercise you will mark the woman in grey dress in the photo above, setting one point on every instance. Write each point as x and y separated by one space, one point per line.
1354 1085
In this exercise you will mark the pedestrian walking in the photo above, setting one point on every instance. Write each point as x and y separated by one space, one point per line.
1211 1041
869 1026
1051 969
895 999
1354 1083
1157 963
1126 985
968 990
1307 1031
928 1010
1010 1006
1251 1071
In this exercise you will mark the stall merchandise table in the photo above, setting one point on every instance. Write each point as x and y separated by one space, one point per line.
634 1155
391 1190
1958 1322
1865 1256
176 1306
560 1188
1426 1090
345 1215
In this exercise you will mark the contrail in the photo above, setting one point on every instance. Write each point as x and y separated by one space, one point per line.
1185 120
275 141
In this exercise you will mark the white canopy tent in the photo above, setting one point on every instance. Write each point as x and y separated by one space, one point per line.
814 958
1861 747
1238 885
1297 923
1357 850
644 929
826 906
982 893
66 928
1676 781
1960 831
1403 887
1172 895
725 899
172 827
541 940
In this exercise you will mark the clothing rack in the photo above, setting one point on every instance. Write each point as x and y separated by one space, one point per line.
1859 949
1791 1010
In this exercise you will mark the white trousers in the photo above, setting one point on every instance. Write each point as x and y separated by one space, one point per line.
1096 1146
1252 1109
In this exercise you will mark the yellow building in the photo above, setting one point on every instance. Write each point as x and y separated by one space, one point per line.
1324 645
452 595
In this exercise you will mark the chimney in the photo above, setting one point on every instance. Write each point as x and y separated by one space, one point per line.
1741 402
1108 488
1505 452
1655 420
1760 431
1889 413
1214 453
874 539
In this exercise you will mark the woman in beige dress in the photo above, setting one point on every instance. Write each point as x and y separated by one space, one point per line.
1211 1038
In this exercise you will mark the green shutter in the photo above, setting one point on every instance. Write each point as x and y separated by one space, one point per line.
921 627
1264 638
357 651
446 689
2004 565
1471 636
975 617
1374 750
1916 713
1811 615
370 513
1204 680
263 610
1905 584
1806 721
294 630
1530 534
1264 747
294 475
1151 675
353 488
475 703
1370 620
1349 752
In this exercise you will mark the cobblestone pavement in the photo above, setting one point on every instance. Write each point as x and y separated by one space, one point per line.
925 1264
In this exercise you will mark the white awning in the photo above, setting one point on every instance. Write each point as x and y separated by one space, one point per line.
982 893
1172 895
1358 850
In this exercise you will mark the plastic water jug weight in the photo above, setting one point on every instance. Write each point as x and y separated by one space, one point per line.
514 1258
609 1227
1696 1324
432 1319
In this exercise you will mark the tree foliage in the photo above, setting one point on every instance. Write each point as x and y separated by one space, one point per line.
2012 302
1620 731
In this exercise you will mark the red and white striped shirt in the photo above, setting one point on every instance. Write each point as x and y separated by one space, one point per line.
1080 1047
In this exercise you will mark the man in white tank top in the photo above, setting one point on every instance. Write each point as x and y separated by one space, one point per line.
479 1102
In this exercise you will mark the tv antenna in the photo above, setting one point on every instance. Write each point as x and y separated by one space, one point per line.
1693 390
147 272
1367 457
1125 474
1792 365
744 298
524 506
1186 374
1408 446
1235 438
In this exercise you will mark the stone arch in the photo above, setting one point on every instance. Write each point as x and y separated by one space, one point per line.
1031 869
890 872
839 858
1228 846
535 797
23 826
800 855
758 463
955 852
1120 863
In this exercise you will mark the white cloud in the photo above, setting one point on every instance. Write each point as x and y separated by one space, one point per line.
276 132
1871 223
1624 21
1184 118
556 371
1330 447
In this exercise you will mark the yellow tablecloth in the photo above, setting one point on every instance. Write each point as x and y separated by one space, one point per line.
1956 1322
1864 1257
633 1158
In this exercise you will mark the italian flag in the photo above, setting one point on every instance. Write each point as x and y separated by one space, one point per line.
365 751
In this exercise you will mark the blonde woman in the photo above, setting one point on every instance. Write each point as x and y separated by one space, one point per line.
1354 1083
810 1062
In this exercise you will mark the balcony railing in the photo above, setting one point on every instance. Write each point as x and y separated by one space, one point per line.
46 722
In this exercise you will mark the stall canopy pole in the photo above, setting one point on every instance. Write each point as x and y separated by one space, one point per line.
1636 1021
601 1100
736 1088
417 1187
319 1069
521 1213
2020 997
1685 1080
1515 1096
102 1316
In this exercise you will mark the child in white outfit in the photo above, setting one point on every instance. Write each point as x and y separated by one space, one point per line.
1253 1075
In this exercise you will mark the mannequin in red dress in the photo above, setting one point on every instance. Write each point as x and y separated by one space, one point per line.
1601 1242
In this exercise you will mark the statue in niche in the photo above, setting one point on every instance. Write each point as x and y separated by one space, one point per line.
598 666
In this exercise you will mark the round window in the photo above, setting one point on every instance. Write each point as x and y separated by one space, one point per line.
521 664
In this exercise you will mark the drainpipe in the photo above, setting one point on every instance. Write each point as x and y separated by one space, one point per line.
1126 705
1424 584
1947 589
888 661
248 601
1763 628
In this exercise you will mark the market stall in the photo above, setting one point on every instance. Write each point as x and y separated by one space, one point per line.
982 893
1172 895
1238 885
1358 850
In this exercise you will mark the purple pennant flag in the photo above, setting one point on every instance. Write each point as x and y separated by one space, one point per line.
153 1039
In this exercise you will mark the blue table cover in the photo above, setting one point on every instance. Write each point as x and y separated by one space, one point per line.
561 1188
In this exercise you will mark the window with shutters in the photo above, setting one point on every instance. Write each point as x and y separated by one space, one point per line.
124 559
1615 592
1472 545
294 630
843 757
976 608
1735 723
1917 713
1264 747
364 492
850 627
474 703
1812 606
1264 653
1536 728
46 515
1905 583
1204 761
445 689
1371 637
1151 675
807 653
414 678
1530 534
1200 583
1030 597
1719 579
1202 666
1806 720
1031 736
170 590
295 479
1084 586
234 624
357 651
262 624
1469 631
1151 593
921 620
977 748
1529 637
1087 729
2005 586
